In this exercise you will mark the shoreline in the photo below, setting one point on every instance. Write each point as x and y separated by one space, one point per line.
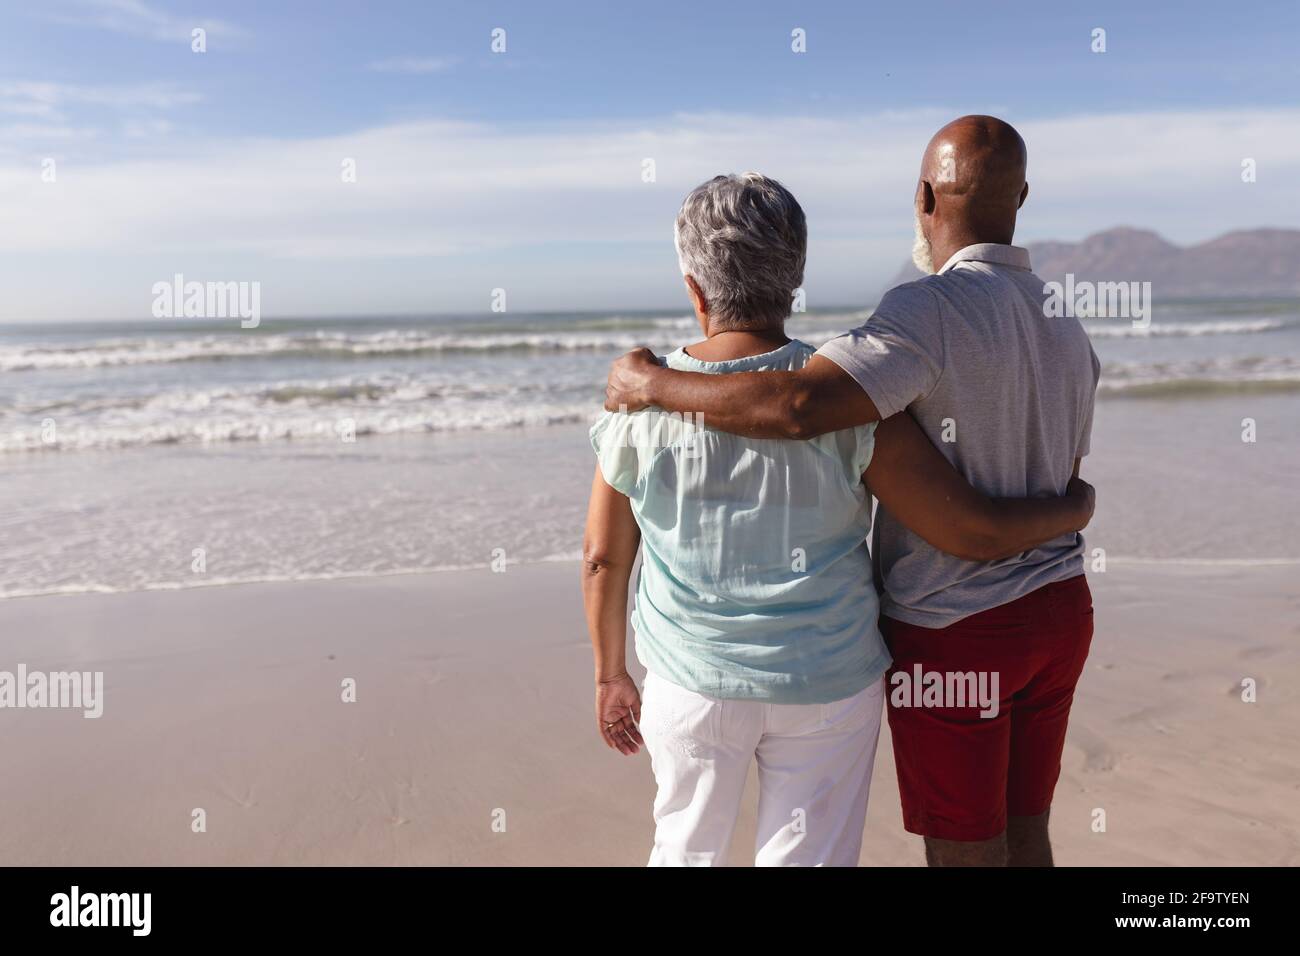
1169 491
80 591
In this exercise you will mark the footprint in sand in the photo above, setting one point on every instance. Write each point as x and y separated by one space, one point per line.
1153 717
246 801
1097 755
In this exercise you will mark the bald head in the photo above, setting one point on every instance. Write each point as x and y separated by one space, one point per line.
972 184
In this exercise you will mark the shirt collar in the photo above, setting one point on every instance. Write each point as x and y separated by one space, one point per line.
994 253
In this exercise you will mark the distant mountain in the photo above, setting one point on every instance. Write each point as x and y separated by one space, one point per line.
1251 262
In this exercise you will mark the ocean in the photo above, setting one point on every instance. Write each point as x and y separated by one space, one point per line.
144 455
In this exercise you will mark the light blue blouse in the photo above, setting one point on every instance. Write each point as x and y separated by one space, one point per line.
755 577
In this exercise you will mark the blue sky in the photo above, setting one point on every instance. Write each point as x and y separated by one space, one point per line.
522 170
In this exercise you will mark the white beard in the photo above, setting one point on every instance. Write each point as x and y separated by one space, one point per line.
922 255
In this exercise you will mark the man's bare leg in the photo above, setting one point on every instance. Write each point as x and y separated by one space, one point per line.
1027 841
960 853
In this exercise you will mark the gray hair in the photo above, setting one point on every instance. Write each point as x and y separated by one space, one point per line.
745 240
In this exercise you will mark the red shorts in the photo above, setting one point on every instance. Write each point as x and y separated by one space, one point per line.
961 774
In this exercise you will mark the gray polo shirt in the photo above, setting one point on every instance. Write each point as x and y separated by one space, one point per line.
1004 391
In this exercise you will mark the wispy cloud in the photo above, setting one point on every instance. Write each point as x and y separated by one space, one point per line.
38 98
413 64
136 18
472 205
47 114
16 133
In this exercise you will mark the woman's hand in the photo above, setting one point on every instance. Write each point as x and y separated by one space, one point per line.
618 712
1086 495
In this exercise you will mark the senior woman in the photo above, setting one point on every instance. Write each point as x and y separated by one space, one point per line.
756 612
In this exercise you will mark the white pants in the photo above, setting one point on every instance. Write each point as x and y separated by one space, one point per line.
814 774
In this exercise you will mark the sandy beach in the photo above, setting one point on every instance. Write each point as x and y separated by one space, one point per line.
229 699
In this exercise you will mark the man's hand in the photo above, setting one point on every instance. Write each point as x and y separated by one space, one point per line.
803 403
628 387
1087 497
